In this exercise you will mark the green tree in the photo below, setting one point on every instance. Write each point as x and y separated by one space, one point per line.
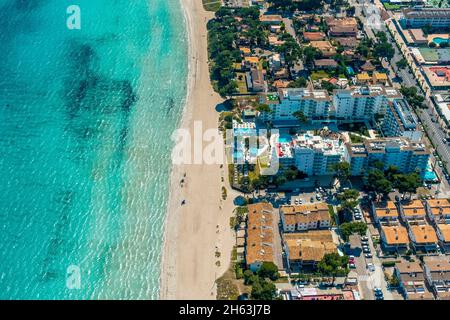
342 171
268 270
300 82
377 182
333 265
262 107
402 63
249 277
263 290
300 115
407 183
349 228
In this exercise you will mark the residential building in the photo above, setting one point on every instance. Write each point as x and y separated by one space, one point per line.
437 273
260 235
399 121
362 103
325 47
344 27
316 155
423 238
255 80
312 103
413 212
314 36
412 281
394 238
306 249
421 17
305 217
442 103
271 19
408 156
385 213
325 64
438 211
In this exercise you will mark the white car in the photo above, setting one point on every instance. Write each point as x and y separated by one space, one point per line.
371 267
296 201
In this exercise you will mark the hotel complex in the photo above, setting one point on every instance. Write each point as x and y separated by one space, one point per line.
354 104
406 155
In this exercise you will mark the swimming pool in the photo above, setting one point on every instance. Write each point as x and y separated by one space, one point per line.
439 40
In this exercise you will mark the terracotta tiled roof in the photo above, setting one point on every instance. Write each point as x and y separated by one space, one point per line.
439 206
423 234
305 213
413 208
386 209
395 235
259 233
309 246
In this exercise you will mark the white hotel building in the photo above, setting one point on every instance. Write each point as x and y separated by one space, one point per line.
362 103
310 154
406 155
313 103
355 104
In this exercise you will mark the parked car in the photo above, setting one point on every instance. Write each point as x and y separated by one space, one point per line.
364 239
296 201
368 255
366 250
371 267
378 293
352 265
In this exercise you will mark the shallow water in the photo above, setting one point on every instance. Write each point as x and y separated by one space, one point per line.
85 123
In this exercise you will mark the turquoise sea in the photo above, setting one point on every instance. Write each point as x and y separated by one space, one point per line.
85 123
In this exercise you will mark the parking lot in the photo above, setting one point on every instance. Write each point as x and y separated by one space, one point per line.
313 196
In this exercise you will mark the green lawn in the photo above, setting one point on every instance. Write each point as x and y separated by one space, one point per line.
212 5
389 6
317 75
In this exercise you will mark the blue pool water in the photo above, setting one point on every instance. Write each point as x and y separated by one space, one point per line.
84 175
438 40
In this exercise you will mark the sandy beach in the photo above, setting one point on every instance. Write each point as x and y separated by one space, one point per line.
200 228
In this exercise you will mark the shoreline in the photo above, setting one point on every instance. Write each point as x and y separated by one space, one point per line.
194 232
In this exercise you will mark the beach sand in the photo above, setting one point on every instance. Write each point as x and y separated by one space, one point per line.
195 231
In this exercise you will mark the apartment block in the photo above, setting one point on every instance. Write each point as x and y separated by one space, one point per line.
438 211
394 238
421 17
437 273
260 235
412 281
316 155
306 249
305 217
407 155
385 213
399 121
314 104
423 238
413 212
362 103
